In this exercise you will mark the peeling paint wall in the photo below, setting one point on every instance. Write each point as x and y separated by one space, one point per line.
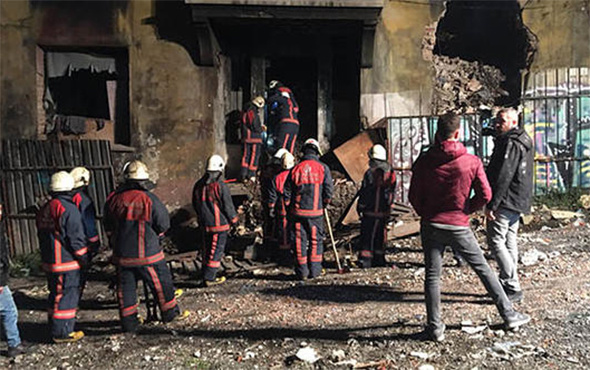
172 101
400 81
563 29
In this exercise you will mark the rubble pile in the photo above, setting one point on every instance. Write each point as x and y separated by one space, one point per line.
459 84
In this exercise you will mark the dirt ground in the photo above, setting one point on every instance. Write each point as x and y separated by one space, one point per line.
369 318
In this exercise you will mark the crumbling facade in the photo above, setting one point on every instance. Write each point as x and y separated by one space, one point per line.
180 68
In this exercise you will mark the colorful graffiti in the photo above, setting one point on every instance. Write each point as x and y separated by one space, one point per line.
557 117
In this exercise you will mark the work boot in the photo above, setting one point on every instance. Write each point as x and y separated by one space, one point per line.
15 351
516 319
217 281
71 338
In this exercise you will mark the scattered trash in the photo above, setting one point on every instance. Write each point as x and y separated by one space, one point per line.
338 355
514 350
573 360
307 354
421 355
473 329
585 201
532 256
564 215
426 367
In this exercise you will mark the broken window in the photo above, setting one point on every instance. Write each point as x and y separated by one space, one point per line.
86 95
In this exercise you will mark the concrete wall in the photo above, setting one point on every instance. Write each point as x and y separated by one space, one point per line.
172 101
400 81
563 29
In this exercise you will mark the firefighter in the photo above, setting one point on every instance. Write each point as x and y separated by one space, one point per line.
135 220
308 189
216 213
267 175
283 111
85 205
374 207
63 252
277 209
252 129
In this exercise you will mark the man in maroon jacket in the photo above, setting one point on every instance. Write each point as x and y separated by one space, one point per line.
442 181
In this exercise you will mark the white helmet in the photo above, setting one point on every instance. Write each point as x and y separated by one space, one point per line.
272 84
378 152
215 163
61 181
280 153
288 161
314 144
258 101
135 170
81 176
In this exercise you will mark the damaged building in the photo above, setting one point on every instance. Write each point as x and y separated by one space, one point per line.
163 81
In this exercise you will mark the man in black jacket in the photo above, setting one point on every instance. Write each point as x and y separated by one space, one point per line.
510 173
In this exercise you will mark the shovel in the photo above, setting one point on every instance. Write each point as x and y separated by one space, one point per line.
340 269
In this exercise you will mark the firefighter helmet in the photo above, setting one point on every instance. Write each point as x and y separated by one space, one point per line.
258 101
135 170
81 176
280 153
378 152
274 84
312 143
61 181
215 163
288 161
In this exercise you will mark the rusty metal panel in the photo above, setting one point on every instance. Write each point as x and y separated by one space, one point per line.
27 166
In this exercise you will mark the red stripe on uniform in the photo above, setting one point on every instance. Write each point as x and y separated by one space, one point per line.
314 246
300 258
211 263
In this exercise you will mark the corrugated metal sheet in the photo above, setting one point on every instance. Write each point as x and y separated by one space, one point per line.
27 166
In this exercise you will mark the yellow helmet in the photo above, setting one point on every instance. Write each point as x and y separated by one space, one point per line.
81 176
135 170
258 101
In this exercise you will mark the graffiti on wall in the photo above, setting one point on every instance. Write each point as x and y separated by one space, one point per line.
557 117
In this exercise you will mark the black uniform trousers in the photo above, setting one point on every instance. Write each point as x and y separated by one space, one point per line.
372 241
287 135
85 270
250 159
214 249
64 294
307 235
159 281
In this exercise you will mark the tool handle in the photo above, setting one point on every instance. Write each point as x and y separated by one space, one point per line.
332 239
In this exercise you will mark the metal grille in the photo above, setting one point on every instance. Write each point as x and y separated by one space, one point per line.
27 166
557 117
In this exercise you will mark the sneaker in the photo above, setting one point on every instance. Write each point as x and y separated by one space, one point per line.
178 293
217 281
436 335
72 337
515 297
516 319
15 351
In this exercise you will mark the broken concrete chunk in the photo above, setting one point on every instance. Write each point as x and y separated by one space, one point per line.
307 354
533 256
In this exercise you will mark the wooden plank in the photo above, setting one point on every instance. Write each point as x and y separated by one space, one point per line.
353 155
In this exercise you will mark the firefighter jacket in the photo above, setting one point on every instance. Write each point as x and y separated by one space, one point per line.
213 204
251 125
510 172
86 207
267 175
308 187
283 107
377 191
275 198
135 219
61 235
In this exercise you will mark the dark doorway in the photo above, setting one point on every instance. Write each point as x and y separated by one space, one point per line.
300 75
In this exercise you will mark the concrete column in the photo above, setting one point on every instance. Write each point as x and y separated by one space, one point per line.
257 76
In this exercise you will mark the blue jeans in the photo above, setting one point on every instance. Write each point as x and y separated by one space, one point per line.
9 315
502 241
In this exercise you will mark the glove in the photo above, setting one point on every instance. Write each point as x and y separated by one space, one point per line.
84 261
